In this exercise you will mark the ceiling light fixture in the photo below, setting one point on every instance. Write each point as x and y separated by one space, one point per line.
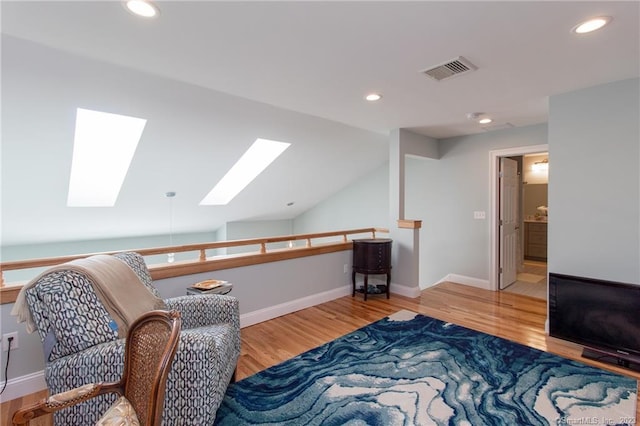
591 25
540 166
144 8
372 97
480 117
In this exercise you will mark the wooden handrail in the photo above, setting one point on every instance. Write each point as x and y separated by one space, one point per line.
201 263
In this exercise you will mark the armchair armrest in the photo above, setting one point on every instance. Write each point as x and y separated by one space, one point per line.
63 400
206 309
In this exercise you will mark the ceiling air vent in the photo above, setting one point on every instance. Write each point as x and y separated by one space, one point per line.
454 67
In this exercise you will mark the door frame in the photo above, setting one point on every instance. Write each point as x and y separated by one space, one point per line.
494 185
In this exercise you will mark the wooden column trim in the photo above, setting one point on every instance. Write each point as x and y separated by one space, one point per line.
409 224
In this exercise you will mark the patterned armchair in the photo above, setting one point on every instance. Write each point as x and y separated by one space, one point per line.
81 346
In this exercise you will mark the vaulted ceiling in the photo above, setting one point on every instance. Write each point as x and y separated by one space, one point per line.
211 77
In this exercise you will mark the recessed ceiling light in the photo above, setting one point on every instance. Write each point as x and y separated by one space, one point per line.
591 25
480 117
253 162
103 148
143 8
372 97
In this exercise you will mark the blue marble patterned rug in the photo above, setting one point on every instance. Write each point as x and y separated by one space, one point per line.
409 369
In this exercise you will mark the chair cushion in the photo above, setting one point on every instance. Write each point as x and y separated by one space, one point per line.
121 413
72 312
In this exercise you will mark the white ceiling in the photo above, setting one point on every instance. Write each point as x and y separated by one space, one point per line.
304 62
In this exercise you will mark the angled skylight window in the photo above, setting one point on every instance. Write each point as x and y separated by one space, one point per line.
103 148
253 162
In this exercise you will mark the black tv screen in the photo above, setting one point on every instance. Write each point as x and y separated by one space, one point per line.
601 315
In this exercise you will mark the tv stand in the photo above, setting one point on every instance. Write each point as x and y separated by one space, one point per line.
627 361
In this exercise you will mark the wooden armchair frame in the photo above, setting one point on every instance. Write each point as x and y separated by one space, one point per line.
151 344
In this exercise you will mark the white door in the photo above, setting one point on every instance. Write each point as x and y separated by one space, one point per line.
508 221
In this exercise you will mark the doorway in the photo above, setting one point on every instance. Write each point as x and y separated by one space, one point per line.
508 234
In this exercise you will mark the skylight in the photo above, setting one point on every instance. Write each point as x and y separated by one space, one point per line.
102 151
253 162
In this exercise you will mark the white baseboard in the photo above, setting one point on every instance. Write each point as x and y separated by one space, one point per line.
261 315
470 281
403 290
23 385
255 317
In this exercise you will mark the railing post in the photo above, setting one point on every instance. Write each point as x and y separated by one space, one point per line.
374 234
263 248
344 238
308 242
203 255
2 280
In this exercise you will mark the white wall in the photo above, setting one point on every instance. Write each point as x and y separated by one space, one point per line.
243 230
42 88
27 359
363 204
594 182
264 286
444 194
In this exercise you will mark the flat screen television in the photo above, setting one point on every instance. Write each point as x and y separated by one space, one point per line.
603 316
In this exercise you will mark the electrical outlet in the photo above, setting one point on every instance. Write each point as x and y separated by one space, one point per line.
479 215
5 341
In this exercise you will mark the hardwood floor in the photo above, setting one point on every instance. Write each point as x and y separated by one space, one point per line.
511 316
8 408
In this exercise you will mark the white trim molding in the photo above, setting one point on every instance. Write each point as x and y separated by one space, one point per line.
261 315
494 157
470 281
406 291
23 385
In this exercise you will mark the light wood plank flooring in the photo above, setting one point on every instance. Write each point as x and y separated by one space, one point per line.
511 316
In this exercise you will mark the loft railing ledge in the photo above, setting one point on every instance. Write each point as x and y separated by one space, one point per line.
201 262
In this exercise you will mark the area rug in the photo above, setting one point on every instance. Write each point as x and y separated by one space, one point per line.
410 369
